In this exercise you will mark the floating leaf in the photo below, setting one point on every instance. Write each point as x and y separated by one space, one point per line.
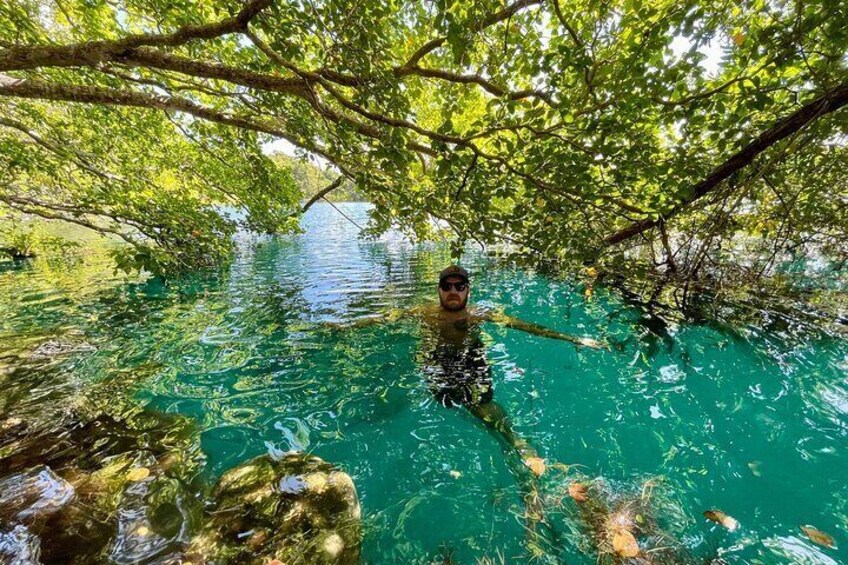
578 491
589 292
536 464
138 474
455 474
818 536
720 517
592 272
625 544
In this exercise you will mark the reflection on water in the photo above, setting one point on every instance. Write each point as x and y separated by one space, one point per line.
747 413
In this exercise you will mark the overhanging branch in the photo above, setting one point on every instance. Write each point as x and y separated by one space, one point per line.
825 104
19 58
322 193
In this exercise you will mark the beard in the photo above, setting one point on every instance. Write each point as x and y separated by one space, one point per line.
453 305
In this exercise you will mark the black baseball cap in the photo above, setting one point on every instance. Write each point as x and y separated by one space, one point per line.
453 271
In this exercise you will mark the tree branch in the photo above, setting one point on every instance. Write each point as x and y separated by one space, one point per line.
322 193
477 26
827 103
92 52
487 85
96 95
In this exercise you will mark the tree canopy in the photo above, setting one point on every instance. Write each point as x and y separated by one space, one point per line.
576 128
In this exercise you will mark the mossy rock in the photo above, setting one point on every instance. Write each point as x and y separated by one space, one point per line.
296 509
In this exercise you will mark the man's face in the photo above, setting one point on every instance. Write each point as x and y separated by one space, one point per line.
453 299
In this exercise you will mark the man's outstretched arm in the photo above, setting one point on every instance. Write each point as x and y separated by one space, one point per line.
385 317
536 329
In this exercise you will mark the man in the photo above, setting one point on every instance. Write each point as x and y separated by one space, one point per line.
453 356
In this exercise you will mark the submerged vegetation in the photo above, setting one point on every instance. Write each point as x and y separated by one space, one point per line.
153 421
693 136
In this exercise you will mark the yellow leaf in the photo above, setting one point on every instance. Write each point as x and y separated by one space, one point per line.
720 517
592 272
818 536
536 464
138 474
625 544
578 491
738 38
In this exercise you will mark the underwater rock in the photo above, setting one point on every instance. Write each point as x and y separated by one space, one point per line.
155 518
33 495
296 509
124 489
19 547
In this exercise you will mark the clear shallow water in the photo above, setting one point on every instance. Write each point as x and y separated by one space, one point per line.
750 418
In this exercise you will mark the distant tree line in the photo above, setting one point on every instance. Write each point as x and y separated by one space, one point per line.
311 179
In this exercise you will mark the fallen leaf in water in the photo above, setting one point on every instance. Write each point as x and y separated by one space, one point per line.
592 271
755 468
589 292
818 536
138 474
578 492
536 464
720 517
625 544
11 423
455 474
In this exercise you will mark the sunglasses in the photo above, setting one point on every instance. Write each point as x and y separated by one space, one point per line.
446 286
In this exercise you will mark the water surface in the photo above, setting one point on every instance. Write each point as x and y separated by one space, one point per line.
750 417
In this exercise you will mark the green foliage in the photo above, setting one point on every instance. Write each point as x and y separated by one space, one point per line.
555 125
155 181
25 242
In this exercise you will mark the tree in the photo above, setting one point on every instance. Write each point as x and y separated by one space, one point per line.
572 128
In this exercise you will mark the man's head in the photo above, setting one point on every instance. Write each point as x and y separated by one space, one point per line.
453 288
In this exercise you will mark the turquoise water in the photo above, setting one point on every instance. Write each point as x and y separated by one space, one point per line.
747 413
